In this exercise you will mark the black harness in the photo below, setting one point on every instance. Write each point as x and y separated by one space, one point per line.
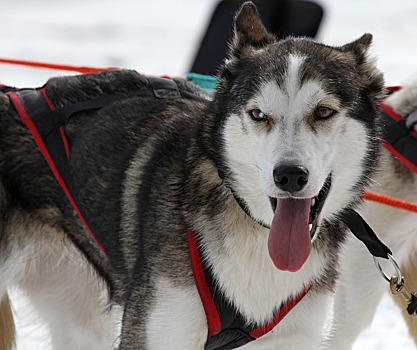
400 137
47 124
227 328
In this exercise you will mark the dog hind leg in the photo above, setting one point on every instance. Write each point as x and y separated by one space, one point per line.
68 294
63 287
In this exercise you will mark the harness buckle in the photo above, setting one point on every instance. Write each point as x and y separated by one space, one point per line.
397 286
411 120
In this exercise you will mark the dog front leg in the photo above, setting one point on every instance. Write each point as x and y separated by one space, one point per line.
167 317
358 293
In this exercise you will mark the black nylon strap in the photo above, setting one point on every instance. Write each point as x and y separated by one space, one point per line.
401 139
48 121
412 307
394 131
39 111
4 88
61 116
227 340
234 331
164 88
364 233
411 120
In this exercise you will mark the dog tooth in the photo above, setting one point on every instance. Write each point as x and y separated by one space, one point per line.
310 226
313 202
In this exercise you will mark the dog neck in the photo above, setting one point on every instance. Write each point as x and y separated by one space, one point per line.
240 201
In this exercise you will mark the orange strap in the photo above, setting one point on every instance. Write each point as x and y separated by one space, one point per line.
390 201
83 70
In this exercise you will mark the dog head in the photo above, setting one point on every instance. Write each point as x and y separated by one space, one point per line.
298 131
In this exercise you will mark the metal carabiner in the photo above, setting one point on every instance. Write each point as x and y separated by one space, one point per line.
398 273
397 285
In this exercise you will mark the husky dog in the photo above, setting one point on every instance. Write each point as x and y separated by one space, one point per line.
360 286
259 173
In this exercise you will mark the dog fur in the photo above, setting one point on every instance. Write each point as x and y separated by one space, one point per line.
360 286
145 170
6 324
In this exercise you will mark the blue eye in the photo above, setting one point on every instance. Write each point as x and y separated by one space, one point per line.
258 116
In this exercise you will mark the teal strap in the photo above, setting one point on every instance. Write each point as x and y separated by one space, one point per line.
205 82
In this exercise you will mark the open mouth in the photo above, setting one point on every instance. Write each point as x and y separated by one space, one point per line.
293 227
317 203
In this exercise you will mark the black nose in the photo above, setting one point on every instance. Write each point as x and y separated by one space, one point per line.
290 178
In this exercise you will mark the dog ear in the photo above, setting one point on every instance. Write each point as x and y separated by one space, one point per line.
371 75
249 30
359 48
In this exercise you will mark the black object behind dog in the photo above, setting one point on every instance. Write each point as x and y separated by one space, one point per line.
281 17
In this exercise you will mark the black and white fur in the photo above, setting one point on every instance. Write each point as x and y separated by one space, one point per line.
145 170
361 287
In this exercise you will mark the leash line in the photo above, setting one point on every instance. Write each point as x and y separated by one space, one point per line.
390 201
63 67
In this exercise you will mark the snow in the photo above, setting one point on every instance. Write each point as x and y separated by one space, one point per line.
160 37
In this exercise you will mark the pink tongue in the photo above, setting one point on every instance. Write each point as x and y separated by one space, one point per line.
289 242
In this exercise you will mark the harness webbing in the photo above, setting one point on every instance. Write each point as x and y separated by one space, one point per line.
227 328
19 99
400 138
47 123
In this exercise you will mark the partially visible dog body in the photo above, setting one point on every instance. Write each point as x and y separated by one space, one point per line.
7 338
260 173
361 287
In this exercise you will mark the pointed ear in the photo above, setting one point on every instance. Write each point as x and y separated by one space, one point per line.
371 75
249 30
359 48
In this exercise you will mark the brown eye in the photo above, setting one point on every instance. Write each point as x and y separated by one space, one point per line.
258 116
323 112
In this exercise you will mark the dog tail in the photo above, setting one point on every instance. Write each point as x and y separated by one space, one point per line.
7 330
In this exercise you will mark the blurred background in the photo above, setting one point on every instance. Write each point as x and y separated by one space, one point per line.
164 36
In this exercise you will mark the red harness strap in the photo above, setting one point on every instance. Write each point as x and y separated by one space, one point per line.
21 110
222 336
400 138
213 319
279 316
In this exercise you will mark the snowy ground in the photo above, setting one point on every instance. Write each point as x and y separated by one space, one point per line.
160 37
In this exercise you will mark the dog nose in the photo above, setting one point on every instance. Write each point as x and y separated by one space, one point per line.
290 178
